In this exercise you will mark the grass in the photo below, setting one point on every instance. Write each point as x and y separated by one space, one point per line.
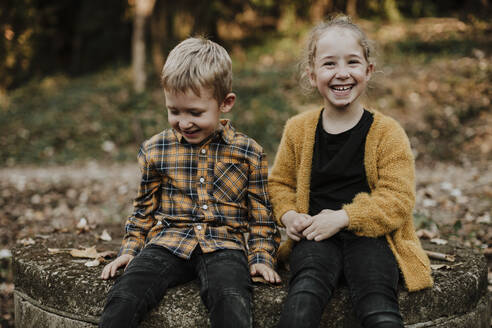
57 120
98 116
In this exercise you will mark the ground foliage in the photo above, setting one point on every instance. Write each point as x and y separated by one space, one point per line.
68 145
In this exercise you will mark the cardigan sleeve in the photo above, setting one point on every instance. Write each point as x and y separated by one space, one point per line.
282 180
392 197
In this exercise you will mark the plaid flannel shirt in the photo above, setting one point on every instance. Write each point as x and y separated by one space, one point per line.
209 194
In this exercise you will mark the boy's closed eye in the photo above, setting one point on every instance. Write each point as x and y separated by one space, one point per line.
195 113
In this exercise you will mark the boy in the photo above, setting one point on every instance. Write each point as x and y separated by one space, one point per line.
203 186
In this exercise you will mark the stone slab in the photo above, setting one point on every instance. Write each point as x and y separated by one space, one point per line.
66 293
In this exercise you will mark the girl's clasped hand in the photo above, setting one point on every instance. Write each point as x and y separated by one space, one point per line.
317 227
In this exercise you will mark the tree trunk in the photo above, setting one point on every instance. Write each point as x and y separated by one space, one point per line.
390 10
351 8
319 9
143 9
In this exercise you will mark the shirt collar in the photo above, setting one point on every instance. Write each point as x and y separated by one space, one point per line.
225 130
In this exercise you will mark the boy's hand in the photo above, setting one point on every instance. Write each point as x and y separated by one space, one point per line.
295 223
266 272
326 224
111 268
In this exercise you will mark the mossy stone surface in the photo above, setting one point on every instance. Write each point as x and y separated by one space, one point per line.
56 290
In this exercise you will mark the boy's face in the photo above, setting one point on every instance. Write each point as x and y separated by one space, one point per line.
196 117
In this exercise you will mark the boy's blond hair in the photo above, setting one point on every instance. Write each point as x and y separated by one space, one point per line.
197 62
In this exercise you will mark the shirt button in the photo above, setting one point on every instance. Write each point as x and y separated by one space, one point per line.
203 151
202 180
205 207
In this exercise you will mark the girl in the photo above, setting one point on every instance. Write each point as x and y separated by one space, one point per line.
342 185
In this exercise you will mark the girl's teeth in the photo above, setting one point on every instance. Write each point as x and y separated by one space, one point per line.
342 88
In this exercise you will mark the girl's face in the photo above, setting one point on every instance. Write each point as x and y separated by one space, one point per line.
340 71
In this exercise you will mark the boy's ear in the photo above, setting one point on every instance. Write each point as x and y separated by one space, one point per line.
228 103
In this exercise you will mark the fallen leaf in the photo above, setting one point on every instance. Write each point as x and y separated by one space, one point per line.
259 279
59 250
43 236
5 254
89 252
82 224
440 256
439 266
54 250
6 288
484 219
427 202
105 236
456 193
438 241
447 186
92 263
56 229
426 234
27 241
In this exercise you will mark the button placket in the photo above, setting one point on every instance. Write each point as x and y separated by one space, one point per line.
201 185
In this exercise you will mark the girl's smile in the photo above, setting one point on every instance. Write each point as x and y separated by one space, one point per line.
342 90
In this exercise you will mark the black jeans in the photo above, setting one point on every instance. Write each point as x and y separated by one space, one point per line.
369 268
224 278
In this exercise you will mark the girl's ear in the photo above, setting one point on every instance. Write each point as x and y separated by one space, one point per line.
228 103
312 77
369 71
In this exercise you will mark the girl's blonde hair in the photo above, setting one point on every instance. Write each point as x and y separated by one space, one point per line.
341 21
197 62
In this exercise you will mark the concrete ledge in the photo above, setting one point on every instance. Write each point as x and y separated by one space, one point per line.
59 291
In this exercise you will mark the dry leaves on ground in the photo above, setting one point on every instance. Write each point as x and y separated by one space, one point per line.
87 253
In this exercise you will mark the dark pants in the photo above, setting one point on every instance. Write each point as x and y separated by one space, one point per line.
224 278
369 268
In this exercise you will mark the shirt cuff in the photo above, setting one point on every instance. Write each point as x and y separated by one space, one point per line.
128 250
261 257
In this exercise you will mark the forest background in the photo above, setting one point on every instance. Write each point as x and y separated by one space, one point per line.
79 92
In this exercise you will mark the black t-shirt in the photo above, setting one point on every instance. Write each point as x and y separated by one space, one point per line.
337 169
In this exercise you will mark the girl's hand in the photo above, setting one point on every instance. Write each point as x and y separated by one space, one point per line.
111 268
266 272
326 224
295 223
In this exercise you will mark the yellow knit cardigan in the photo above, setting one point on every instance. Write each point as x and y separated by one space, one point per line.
387 210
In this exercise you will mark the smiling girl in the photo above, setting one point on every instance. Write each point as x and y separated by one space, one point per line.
343 187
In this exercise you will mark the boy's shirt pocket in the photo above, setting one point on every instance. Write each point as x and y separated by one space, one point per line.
230 181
